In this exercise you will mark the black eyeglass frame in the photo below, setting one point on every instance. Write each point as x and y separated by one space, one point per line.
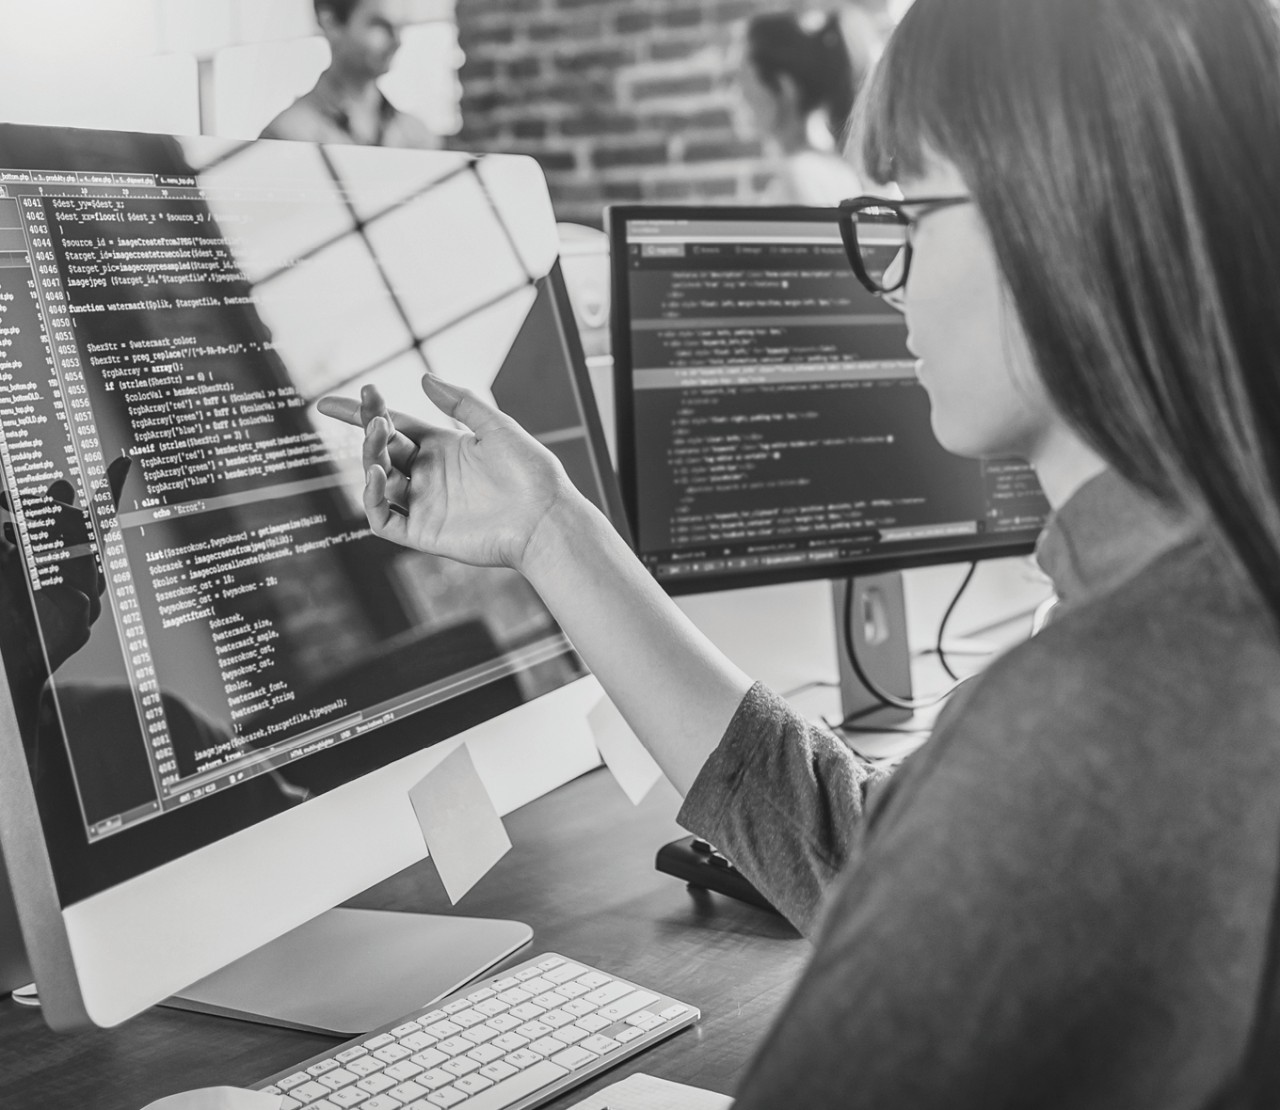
848 224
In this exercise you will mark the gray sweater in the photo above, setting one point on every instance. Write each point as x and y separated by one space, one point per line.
1064 898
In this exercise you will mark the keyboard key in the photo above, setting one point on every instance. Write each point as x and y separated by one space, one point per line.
433 1016
499 1069
545 1046
429 1058
504 1093
672 1012
630 1033
351 1053
609 992
309 1091
570 1034
455 1006
549 963
537 984
579 1006
379 1041
528 973
509 1042
272 1089
376 1084
505 984
564 973
556 1018
523 1058
593 979
291 1081
434 1079
337 1077
442 1029
455 1046
532 1030
380 1102
491 1006
515 996
405 1029
572 990
593 1023
503 1022
468 1017
405 1069
637 1000
485 1054
549 1000
480 995
416 1042
366 1065
460 1065
479 1034
322 1067
348 1097
471 1084
446 1096
392 1053
574 1058
527 1011
407 1092
600 1044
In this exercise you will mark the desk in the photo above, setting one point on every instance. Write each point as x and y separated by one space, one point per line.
580 872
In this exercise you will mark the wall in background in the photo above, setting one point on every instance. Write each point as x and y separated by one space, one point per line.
221 67
620 100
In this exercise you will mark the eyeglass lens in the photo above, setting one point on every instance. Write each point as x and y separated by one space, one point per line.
882 237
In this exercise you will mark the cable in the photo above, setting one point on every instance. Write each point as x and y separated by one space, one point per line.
942 625
873 688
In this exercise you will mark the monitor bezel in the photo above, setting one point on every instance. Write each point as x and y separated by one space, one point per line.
617 219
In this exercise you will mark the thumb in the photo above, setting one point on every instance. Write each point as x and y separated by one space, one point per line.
461 404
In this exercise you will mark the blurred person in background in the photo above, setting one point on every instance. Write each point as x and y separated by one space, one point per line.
346 105
798 81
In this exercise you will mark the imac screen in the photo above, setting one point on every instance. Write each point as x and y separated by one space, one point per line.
199 629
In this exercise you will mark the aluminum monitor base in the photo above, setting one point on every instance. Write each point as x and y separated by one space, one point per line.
349 971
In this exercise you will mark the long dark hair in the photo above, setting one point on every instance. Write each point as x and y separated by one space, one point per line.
1125 155
817 62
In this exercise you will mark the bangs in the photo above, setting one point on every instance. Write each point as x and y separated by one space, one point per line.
897 121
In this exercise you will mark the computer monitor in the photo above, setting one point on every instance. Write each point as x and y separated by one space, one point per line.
770 427
220 686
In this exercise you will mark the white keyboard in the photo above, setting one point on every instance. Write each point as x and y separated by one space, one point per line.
513 1041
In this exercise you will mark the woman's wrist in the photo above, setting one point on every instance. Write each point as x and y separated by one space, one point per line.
560 537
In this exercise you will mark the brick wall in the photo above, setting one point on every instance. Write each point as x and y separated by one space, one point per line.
620 100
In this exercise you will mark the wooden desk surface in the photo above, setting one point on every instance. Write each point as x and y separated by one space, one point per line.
580 873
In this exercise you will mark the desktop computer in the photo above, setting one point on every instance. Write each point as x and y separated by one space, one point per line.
770 429
219 685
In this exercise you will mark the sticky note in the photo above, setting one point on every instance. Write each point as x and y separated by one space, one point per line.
627 759
462 829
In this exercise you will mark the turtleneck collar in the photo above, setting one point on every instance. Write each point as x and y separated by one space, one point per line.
1105 533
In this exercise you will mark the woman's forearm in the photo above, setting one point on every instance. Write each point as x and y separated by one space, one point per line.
675 688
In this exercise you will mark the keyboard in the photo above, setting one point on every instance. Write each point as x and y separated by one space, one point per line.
513 1041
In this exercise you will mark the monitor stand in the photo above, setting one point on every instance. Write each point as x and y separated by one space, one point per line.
880 638
349 971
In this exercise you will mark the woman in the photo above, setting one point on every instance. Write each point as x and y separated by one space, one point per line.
1068 897
798 83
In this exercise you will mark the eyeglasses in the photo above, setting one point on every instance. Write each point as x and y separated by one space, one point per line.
877 233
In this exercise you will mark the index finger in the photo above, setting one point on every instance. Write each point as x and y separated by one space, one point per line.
402 447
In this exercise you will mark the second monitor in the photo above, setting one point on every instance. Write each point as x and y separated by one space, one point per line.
770 423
